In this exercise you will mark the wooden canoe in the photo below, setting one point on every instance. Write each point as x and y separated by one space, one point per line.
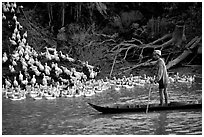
122 108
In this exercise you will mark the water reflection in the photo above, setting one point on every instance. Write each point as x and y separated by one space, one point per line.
161 124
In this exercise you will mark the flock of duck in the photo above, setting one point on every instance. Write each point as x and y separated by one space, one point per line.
30 77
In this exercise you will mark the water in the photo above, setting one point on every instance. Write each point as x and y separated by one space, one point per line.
74 116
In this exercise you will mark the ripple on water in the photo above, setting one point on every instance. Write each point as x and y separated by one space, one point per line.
74 116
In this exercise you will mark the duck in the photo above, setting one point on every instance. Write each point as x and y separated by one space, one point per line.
35 54
12 10
50 49
41 67
56 57
16 29
18 35
24 67
88 65
24 40
14 62
25 34
66 71
12 42
7 83
5 8
93 74
62 56
33 80
78 75
8 4
15 82
11 68
15 55
21 52
27 57
21 7
14 5
13 37
44 80
48 55
14 17
69 58
20 27
53 65
191 79
64 80
3 16
33 68
23 62
25 82
5 58
17 23
31 61
47 69
171 80
37 72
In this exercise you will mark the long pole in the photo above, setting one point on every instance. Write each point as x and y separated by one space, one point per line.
150 87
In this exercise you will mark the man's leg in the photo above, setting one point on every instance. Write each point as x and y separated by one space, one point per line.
166 95
161 96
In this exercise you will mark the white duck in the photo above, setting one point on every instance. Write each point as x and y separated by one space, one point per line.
47 69
20 27
69 58
14 62
50 49
25 82
12 42
66 71
11 68
15 82
8 5
5 58
18 35
33 80
27 57
62 56
14 5
20 76
25 34
13 36
93 74
44 80
37 72
14 17
5 8
3 16
16 29
48 55
12 10
41 67
8 83
24 40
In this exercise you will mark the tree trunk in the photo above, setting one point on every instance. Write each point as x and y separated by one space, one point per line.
49 8
63 12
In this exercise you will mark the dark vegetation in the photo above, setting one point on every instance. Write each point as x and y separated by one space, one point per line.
93 31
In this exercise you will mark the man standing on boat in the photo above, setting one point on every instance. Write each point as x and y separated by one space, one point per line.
161 76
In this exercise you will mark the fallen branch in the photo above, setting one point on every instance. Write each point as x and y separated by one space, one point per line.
183 55
147 63
160 39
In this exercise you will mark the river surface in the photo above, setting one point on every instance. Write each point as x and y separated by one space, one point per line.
73 116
